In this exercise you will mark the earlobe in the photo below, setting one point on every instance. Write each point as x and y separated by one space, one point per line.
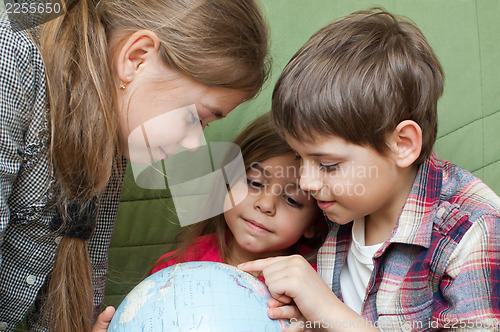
140 48
407 143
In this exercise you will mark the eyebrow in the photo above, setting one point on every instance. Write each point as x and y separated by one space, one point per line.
320 154
261 169
316 154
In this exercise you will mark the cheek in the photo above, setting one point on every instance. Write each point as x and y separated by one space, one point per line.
166 137
241 207
295 221
139 109
239 195
230 216
143 137
351 186
165 129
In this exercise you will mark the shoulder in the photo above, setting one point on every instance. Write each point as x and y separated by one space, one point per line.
465 195
21 59
22 80
206 241
16 43
468 215
204 248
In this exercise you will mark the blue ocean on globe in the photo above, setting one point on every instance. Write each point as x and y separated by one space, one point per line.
199 297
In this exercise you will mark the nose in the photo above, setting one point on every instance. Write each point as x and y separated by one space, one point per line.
192 139
266 203
310 179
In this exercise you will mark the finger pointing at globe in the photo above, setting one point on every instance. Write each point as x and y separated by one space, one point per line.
267 267
292 278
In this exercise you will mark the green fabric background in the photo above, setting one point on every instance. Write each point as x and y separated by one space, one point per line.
465 37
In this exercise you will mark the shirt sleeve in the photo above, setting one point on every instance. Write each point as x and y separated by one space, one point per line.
99 243
16 89
471 285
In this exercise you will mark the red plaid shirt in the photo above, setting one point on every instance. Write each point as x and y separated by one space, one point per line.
440 267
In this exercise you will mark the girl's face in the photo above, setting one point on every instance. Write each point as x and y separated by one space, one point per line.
276 212
163 110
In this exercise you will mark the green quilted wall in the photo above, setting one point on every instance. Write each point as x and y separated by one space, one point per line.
465 36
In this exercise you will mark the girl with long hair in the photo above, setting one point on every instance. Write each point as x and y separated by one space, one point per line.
71 93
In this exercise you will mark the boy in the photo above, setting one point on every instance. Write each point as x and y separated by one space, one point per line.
414 241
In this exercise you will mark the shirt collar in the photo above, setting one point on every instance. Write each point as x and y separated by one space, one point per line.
415 222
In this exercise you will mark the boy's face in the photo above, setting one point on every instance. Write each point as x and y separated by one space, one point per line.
349 181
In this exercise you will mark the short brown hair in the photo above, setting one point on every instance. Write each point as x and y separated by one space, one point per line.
358 78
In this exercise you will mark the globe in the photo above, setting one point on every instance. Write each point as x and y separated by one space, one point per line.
197 296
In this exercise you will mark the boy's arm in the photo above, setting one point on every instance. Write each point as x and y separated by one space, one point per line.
292 278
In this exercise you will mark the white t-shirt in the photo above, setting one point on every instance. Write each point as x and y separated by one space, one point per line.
357 271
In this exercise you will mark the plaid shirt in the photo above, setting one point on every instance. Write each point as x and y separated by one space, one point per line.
27 246
440 267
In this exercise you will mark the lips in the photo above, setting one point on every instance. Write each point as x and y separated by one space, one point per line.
255 225
323 205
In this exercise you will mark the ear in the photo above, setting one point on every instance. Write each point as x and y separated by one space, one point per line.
140 48
406 143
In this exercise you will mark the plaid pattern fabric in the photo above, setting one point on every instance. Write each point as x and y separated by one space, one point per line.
27 246
440 267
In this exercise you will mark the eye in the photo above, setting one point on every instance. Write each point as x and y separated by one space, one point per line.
254 184
329 168
218 115
290 201
209 112
298 157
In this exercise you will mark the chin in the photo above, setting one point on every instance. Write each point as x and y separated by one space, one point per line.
339 221
249 248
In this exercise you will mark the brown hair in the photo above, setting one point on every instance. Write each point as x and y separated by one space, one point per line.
219 43
258 141
358 78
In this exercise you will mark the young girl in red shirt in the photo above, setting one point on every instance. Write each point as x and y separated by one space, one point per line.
276 217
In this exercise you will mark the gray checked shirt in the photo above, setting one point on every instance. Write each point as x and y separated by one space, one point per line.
27 245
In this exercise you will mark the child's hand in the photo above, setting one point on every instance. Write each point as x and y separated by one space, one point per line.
293 278
104 319
280 310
